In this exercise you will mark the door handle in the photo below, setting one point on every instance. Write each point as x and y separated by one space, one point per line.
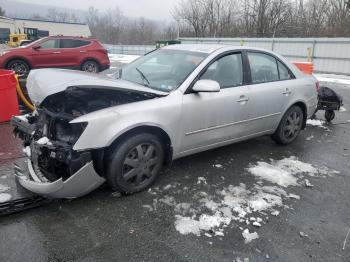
242 98
82 51
56 52
287 92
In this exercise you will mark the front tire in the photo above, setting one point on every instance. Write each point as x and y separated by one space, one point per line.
19 66
290 126
135 163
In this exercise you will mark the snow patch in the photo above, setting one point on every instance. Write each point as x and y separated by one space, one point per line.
4 197
124 59
249 237
44 141
316 122
209 214
4 188
201 180
27 151
273 174
309 138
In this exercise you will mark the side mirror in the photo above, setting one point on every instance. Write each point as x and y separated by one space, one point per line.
37 47
206 85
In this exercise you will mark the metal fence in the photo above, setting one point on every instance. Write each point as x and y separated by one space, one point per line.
129 49
329 55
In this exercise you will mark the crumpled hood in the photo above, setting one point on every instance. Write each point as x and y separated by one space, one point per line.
44 82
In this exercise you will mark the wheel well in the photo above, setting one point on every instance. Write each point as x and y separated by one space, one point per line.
101 155
304 108
18 58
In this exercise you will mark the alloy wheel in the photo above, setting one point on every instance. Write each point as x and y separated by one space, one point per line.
20 68
292 125
90 67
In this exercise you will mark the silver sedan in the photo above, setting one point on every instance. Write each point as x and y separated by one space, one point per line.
170 103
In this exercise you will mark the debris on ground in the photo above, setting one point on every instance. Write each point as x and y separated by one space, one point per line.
116 194
346 238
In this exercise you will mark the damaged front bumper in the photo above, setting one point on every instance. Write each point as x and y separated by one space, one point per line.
81 183
52 168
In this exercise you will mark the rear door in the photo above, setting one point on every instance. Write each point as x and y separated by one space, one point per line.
271 89
72 51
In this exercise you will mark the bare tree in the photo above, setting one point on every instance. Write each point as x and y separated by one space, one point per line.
61 16
2 11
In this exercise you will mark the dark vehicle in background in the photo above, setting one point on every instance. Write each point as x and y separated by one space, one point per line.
4 35
79 53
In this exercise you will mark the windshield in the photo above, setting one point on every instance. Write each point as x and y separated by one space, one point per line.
163 69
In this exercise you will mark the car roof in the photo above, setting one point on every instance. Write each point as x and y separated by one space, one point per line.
70 37
204 48
210 48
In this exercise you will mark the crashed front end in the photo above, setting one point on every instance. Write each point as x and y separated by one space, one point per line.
53 168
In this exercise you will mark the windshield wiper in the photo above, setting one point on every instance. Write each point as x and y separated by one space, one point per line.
143 77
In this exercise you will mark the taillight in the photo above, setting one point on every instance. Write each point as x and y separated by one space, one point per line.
317 86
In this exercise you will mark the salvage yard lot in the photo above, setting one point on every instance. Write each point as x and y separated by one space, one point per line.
221 205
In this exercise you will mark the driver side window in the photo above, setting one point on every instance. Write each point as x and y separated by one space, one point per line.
51 44
227 71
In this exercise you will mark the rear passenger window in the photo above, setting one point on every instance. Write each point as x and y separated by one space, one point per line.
227 71
284 72
263 68
73 43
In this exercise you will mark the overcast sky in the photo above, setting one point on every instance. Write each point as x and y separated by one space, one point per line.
155 9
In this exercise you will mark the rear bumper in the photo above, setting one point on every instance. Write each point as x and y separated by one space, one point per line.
81 183
311 106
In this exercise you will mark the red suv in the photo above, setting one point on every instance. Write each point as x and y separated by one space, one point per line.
80 53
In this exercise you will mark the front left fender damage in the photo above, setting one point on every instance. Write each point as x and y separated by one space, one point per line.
53 167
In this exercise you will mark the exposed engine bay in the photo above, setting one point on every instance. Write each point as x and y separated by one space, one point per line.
48 137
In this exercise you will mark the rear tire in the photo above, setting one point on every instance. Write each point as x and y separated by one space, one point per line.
134 164
290 126
19 66
90 66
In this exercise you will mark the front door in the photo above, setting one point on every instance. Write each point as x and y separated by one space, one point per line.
48 55
213 118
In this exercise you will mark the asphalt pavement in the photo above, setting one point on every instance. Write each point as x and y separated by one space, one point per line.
105 226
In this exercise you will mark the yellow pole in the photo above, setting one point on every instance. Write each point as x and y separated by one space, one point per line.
22 96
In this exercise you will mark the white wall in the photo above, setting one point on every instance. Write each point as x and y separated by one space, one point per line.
7 23
55 28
